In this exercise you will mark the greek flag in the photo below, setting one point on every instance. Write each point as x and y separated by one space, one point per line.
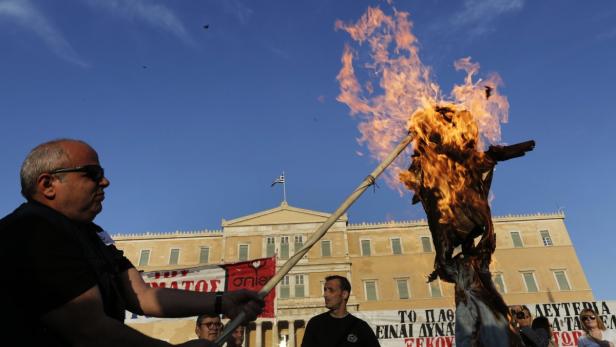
278 180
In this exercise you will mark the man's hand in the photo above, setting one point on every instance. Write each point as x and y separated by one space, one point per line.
242 300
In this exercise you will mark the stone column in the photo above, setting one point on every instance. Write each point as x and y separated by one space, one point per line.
291 334
259 333
275 337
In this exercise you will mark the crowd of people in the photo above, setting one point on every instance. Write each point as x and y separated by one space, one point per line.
538 332
74 286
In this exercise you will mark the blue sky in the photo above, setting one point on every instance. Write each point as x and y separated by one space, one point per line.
193 124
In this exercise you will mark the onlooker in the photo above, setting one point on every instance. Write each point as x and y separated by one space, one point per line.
236 339
523 319
338 327
208 326
74 286
543 323
596 334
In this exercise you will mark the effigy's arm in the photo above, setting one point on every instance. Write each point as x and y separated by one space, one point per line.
502 153
497 153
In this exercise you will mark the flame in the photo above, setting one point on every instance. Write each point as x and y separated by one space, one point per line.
407 99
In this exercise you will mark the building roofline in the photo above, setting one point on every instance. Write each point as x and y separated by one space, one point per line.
351 226
167 235
424 222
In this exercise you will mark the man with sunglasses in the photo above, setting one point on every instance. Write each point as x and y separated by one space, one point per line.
69 284
523 320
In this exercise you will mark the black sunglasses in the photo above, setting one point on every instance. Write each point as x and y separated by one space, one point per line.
588 318
94 172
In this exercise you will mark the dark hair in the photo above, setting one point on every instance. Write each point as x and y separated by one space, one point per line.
202 316
541 323
344 283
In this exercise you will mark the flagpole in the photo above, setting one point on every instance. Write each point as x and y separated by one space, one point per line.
284 187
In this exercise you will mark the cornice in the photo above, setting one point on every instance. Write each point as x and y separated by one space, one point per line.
424 223
420 223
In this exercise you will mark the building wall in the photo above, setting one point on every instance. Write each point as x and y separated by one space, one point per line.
378 273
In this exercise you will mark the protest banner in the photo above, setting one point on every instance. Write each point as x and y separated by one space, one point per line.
435 327
251 275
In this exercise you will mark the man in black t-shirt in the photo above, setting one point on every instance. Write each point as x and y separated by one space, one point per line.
338 327
69 284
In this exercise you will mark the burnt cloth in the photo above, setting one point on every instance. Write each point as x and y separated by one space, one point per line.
327 331
50 260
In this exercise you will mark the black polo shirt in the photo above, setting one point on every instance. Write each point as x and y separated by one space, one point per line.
50 260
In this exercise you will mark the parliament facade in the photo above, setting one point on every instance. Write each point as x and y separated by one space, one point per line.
387 264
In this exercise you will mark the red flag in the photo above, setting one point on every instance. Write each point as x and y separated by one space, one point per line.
253 275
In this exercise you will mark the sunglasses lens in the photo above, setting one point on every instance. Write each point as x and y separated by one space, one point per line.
588 318
95 172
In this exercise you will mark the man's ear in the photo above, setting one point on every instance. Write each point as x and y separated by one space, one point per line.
345 294
45 186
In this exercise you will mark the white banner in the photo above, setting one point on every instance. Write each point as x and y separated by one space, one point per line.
435 327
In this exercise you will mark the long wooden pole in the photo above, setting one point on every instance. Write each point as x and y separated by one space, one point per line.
319 233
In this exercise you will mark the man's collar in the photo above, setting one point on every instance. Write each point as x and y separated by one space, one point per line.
346 313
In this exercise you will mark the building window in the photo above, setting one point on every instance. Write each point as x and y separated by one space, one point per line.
426 244
144 258
396 247
365 248
499 282
517 240
284 288
435 289
204 255
270 247
174 256
370 289
546 238
284 247
529 280
299 243
299 286
243 252
326 248
403 288
561 279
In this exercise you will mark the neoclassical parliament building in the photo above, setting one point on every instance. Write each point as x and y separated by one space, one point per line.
387 264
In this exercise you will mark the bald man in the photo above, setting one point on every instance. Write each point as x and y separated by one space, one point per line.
69 284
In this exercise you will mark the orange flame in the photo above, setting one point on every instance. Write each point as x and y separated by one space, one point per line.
406 98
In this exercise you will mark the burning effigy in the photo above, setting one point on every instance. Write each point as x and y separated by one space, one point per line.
452 179
455 147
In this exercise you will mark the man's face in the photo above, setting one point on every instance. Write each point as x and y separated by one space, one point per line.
209 328
75 194
333 295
